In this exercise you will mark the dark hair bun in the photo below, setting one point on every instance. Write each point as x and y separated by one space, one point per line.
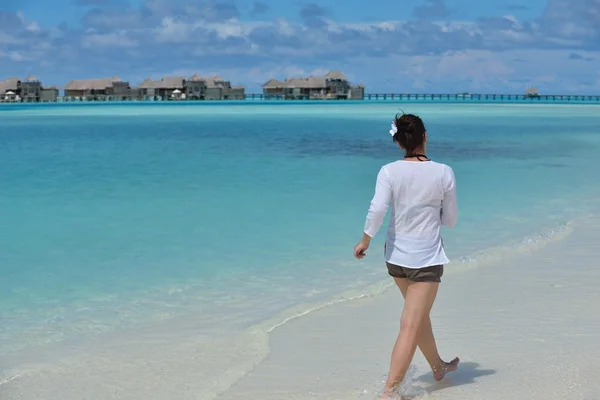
411 132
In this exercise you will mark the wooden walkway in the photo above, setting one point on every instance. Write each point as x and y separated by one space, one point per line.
399 97
455 97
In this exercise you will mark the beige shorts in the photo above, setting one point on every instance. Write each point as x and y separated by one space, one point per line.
427 274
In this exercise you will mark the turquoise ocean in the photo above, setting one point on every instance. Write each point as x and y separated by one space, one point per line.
225 217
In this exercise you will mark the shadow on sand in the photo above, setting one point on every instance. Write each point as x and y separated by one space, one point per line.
466 374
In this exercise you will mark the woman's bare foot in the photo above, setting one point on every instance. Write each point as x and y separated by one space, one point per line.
440 370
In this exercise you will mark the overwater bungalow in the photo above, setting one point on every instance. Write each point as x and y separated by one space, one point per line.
274 88
103 89
163 89
532 92
26 90
332 85
213 88
9 89
194 88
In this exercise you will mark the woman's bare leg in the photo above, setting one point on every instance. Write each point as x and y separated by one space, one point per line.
426 341
417 304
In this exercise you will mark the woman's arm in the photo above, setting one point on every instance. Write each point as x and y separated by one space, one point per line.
376 214
449 212
379 204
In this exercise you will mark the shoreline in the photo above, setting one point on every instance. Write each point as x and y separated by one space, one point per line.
252 346
341 352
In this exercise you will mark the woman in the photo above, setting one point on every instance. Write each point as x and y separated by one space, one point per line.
422 193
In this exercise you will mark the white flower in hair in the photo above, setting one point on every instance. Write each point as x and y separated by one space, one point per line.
394 129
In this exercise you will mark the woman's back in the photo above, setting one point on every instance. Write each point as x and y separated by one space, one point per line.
418 192
422 195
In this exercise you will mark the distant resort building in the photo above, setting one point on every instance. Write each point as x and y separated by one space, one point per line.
167 88
333 86
194 88
532 92
29 90
104 89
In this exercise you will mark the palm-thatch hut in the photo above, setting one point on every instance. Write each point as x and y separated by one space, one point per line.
100 89
333 85
532 92
28 90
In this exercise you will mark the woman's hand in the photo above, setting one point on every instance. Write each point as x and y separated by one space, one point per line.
361 247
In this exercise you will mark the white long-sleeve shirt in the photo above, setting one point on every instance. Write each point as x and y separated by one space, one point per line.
423 198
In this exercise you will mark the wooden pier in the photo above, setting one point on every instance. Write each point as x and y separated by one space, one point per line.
397 97
456 97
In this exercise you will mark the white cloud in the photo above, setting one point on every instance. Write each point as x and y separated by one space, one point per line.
33 27
172 31
232 28
108 40
461 64
16 56
21 17
387 53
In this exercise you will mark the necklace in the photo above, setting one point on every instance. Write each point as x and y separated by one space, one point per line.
418 156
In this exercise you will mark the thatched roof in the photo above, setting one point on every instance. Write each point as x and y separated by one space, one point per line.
210 83
172 82
169 82
178 82
311 82
91 84
532 91
147 83
316 83
335 75
9 84
273 84
214 82
306 83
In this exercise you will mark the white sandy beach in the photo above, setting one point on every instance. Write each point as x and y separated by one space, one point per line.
525 327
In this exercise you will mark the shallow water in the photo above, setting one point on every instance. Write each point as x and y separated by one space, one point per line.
226 216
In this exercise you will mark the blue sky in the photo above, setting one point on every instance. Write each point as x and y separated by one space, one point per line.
388 45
